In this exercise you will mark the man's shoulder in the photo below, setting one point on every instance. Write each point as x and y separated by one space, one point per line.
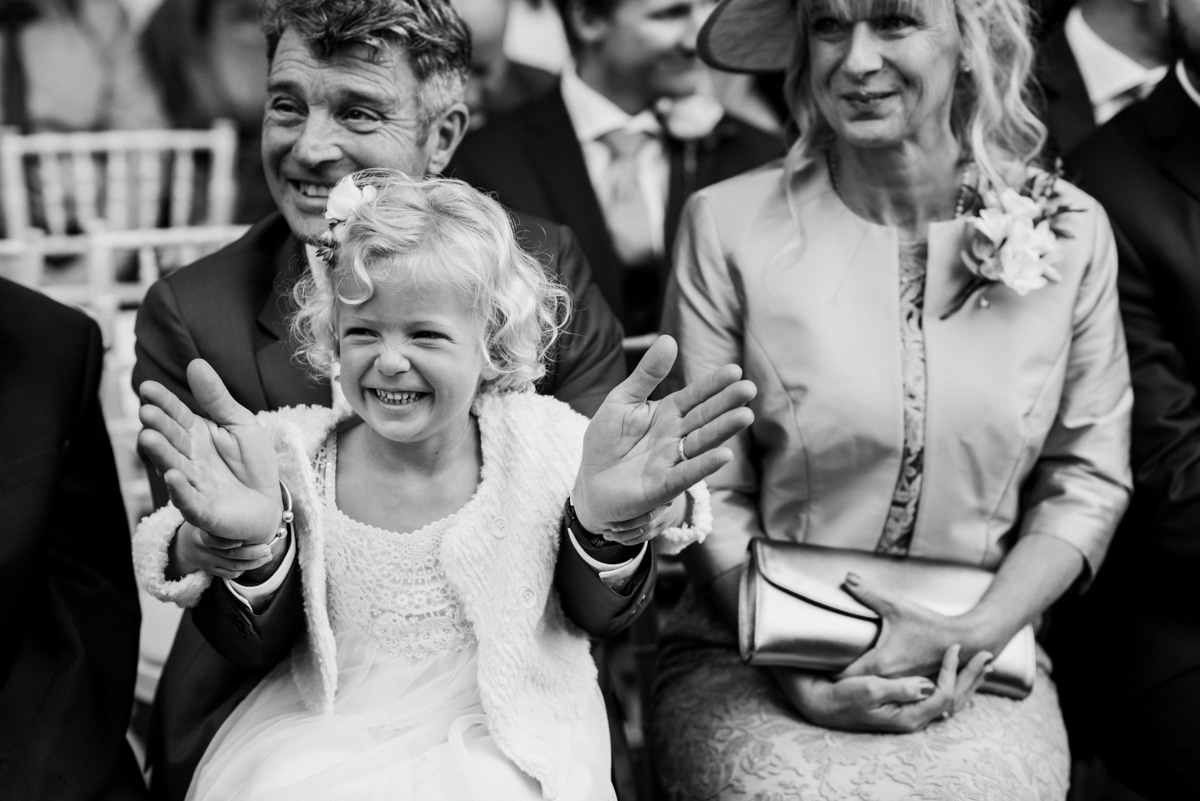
505 131
736 130
32 315
537 235
1125 182
243 262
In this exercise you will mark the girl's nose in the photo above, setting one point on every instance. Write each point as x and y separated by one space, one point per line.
392 360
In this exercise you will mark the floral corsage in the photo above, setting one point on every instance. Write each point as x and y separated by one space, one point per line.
344 200
1013 237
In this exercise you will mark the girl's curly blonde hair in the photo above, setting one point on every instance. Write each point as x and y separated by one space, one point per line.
436 233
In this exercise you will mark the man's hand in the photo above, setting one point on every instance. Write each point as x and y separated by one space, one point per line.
631 464
194 549
877 704
221 473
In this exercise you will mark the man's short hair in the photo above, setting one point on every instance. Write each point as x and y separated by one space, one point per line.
429 32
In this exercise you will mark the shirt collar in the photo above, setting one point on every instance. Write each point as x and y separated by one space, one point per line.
594 115
1188 87
1107 72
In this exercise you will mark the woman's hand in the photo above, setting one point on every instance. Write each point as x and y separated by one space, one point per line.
221 473
913 639
631 472
877 704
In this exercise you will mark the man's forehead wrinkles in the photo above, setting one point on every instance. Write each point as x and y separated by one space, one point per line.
375 87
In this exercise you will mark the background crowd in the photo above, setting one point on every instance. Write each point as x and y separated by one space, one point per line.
785 187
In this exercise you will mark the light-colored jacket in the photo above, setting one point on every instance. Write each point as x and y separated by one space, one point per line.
536 673
1028 398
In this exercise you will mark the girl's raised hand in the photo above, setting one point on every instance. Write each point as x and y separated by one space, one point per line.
632 463
221 473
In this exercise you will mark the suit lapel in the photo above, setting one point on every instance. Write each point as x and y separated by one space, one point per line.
284 382
1173 123
553 151
1069 114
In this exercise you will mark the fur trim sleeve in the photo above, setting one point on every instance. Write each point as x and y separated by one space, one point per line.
151 544
673 540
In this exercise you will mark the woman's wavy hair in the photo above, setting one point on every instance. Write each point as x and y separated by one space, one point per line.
430 33
437 233
991 114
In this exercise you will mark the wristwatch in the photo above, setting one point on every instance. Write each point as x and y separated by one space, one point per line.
584 536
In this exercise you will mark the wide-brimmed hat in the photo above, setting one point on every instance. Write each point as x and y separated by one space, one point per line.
749 35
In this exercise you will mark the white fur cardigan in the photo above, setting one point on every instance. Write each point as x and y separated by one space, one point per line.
535 667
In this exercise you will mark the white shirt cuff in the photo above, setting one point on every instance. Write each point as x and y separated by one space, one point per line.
610 574
257 598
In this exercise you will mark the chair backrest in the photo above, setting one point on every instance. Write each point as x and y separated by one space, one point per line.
20 260
61 186
121 265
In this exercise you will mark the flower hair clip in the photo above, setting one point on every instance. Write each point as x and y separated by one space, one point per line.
345 199
1013 238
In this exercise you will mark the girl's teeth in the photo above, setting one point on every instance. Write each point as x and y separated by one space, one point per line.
397 397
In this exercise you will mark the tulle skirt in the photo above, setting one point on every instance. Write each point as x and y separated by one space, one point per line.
401 729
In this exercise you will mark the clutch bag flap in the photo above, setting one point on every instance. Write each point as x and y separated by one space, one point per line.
795 613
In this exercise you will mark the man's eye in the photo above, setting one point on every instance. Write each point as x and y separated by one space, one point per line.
284 106
676 11
361 118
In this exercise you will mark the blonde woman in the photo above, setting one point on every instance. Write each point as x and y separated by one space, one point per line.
932 324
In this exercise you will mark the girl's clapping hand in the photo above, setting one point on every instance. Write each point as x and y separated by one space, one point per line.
221 473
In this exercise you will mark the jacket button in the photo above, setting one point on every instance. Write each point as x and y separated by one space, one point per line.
528 598
500 528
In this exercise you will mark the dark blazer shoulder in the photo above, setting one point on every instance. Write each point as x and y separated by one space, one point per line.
246 261
48 347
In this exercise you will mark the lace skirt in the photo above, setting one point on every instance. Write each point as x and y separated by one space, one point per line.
401 729
722 730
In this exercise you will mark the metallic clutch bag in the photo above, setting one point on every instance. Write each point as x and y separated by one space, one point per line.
794 612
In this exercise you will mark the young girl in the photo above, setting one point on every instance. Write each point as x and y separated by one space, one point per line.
437 662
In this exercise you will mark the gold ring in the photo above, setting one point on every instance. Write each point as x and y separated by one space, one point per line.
683 457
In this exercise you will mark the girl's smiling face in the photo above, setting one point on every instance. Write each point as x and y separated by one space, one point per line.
883 71
412 361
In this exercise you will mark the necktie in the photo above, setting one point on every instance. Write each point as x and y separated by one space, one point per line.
624 204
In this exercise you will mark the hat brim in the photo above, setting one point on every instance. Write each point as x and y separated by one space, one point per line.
748 36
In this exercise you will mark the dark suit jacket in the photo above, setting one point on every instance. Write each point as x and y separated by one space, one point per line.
1068 110
70 618
1140 624
532 160
231 309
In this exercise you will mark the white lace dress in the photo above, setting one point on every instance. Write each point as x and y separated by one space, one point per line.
408 722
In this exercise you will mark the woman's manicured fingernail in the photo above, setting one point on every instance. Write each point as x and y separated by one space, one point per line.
853 580
927 689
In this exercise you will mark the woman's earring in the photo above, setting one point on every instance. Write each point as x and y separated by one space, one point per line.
963 66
